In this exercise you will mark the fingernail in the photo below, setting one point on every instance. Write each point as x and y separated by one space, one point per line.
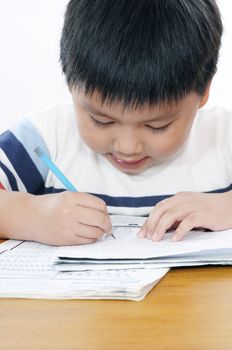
142 233
175 238
149 235
155 237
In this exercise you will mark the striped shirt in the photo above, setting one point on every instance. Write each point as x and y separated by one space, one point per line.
203 165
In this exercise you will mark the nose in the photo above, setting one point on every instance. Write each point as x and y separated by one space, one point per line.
128 143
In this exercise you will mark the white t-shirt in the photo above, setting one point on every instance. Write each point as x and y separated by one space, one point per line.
203 165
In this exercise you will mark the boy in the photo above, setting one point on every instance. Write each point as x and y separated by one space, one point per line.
133 142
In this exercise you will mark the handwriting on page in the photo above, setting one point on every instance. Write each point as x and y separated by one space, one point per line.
128 246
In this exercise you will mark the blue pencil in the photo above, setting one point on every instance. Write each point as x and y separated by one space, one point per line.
63 179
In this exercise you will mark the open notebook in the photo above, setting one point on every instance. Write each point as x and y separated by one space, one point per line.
197 248
27 270
123 268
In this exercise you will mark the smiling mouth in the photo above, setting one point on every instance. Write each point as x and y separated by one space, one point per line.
129 164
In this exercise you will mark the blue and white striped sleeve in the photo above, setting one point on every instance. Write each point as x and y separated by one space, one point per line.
20 168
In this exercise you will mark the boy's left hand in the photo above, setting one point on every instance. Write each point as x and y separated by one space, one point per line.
186 211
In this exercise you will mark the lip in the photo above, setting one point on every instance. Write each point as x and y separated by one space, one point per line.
128 164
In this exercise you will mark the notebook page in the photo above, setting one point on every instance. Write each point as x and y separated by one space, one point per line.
27 271
128 246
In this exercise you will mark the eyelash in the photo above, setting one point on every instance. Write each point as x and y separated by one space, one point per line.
161 130
100 124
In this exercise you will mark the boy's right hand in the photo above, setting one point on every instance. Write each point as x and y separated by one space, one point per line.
68 218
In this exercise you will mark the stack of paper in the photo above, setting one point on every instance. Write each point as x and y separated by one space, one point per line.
123 268
127 250
27 271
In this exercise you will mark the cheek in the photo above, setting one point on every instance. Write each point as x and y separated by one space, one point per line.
95 139
164 146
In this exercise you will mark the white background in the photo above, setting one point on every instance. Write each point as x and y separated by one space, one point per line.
30 74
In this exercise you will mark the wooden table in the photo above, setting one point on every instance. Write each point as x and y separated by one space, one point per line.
191 308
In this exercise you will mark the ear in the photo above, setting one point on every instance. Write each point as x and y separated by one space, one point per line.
205 97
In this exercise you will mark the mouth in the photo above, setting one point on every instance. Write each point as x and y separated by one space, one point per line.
128 164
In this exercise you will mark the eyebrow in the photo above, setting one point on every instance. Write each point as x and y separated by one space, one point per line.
159 118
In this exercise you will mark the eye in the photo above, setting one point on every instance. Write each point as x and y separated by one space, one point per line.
100 124
160 130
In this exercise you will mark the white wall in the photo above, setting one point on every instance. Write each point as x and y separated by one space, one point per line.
221 87
30 74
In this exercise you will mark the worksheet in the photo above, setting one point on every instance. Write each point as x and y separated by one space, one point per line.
127 245
27 270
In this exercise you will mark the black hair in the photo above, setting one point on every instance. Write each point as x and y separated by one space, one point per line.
140 51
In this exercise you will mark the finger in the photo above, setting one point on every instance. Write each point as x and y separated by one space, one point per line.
92 217
156 215
76 240
142 230
86 200
93 202
169 218
185 226
82 240
165 205
89 232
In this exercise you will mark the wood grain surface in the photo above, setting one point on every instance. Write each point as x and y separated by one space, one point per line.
191 308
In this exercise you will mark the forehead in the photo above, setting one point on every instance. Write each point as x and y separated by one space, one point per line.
96 105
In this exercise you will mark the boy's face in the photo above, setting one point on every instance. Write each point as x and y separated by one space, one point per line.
134 140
